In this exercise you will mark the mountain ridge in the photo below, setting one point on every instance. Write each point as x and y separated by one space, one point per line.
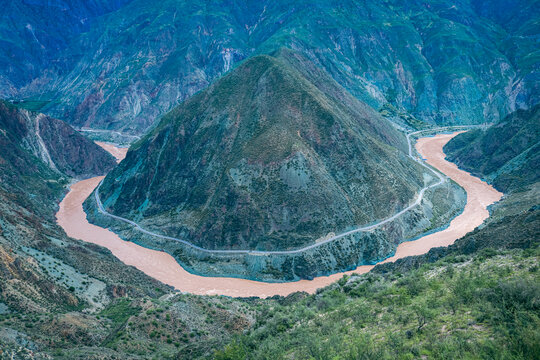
54 142
506 154
138 62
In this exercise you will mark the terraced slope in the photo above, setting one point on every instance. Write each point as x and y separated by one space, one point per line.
264 159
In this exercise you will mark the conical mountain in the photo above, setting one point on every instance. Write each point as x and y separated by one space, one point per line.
272 156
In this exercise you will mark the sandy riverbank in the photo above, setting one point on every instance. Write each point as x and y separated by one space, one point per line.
118 152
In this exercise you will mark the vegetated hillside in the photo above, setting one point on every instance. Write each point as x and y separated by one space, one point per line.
65 299
478 299
507 154
466 306
264 159
46 278
52 141
464 62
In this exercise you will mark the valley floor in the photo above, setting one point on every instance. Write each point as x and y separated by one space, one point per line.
165 268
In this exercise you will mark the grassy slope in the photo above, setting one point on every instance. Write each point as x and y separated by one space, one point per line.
476 299
480 306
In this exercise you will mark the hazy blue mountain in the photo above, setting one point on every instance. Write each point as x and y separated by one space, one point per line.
466 62
34 34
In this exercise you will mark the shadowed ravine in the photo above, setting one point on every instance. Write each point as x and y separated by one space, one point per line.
162 266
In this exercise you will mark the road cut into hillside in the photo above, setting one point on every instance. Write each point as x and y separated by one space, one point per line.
163 267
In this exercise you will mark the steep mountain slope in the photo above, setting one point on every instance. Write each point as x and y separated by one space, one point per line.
37 154
466 306
264 159
34 169
147 57
65 299
519 19
449 299
46 278
52 141
465 62
506 154
31 43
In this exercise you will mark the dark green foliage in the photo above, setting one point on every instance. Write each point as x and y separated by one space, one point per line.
120 311
475 308
233 351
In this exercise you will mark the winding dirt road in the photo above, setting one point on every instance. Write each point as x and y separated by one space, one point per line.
356 229
164 268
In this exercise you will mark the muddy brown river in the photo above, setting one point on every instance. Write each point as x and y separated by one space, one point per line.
164 268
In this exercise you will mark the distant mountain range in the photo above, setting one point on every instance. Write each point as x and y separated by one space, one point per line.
122 64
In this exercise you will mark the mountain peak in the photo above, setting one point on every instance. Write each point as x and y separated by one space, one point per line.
264 159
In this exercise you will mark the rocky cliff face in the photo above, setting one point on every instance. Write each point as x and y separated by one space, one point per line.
53 142
466 62
264 159
506 154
